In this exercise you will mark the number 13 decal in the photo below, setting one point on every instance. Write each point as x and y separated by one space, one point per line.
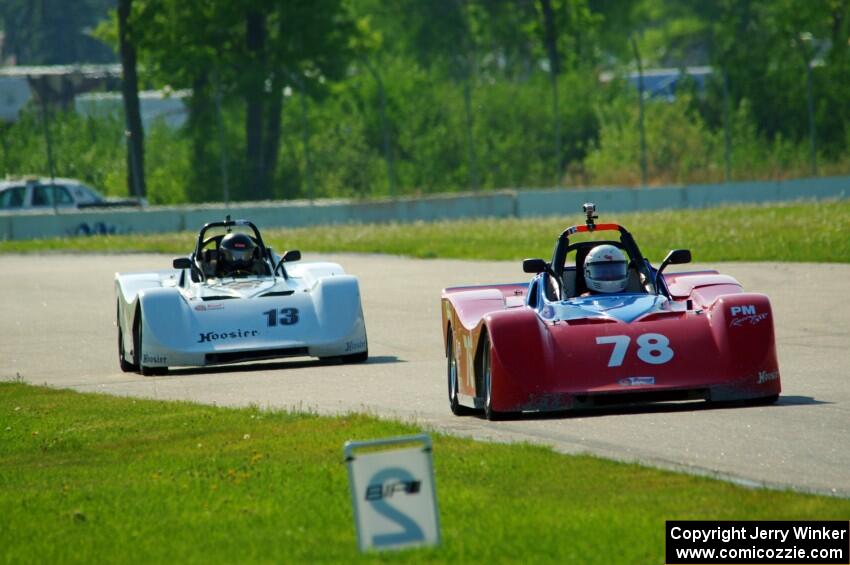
287 317
652 348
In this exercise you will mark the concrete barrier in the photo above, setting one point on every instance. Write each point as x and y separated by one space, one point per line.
493 204
531 203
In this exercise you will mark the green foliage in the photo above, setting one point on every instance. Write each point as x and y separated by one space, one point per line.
91 477
376 73
683 148
92 149
168 162
89 149
680 149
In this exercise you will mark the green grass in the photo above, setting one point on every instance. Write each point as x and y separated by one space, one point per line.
815 232
94 478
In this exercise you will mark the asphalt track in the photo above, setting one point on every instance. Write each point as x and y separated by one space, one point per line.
57 328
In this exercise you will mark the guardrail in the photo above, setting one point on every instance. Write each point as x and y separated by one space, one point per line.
495 204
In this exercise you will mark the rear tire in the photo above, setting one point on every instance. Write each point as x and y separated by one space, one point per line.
137 349
487 380
451 376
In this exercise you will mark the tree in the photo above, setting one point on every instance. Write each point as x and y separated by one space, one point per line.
244 50
256 73
768 48
130 92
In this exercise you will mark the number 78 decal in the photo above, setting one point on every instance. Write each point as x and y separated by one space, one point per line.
652 348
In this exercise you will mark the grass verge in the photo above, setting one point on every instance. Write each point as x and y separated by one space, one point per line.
87 478
809 231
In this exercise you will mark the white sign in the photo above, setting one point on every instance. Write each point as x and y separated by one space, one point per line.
392 492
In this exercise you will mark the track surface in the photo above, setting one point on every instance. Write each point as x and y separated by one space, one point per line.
57 327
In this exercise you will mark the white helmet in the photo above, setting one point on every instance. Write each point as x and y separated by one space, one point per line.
606 269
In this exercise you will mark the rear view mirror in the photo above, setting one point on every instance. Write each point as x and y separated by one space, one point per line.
293 255
290 256
535 266
676 257
182 263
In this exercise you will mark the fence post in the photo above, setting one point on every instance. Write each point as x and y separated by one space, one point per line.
557 117
305 133
811 108
221 139
388 153
42 94
640 110
726 128
470 141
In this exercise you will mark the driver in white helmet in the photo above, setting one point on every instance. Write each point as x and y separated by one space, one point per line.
605 270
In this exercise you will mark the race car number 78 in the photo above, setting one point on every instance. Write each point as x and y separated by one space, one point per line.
652 348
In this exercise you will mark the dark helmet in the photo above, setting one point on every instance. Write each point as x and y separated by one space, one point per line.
237 252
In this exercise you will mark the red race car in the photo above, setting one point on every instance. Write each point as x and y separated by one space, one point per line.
599 325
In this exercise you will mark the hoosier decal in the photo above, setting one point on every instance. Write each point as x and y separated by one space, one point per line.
154 358
355 345
218 336
767 376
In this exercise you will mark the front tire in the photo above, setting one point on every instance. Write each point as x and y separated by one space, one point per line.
452 378
487 380
137 349
125 365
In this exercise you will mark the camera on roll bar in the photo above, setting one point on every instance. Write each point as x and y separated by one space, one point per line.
589 209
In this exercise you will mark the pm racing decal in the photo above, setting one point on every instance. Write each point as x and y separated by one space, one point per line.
746 315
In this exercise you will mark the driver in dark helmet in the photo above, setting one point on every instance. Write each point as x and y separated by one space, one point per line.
236 255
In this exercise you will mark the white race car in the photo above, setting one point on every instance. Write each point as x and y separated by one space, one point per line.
235 300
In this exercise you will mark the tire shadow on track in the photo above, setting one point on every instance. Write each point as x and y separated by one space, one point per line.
277 366
658 408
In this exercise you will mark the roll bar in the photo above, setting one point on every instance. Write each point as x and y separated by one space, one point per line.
228 224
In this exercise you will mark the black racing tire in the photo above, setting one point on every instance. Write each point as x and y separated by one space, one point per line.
137 349
451 377
355 357
126 366
487 380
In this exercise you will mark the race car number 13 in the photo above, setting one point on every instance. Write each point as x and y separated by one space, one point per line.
284 316
652 348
